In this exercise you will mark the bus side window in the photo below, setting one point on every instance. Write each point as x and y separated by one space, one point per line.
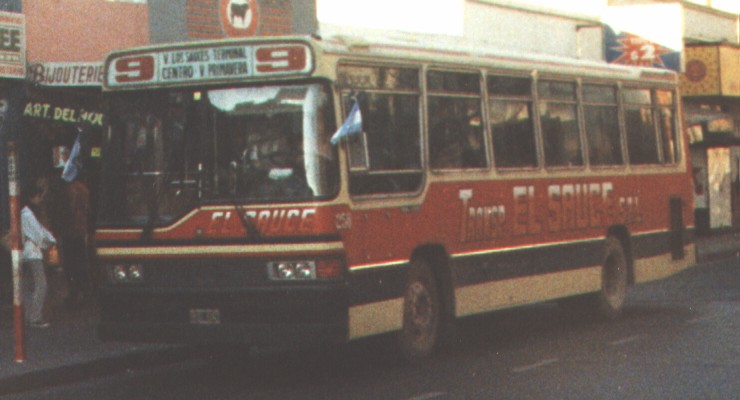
666 115
455 131
511 120
642 139
391 122
389 104
602 125
559 122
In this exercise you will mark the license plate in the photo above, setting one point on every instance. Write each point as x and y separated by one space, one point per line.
205 316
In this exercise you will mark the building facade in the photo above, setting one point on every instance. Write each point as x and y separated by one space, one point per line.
710 85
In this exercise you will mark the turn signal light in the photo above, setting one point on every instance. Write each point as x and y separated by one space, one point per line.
330 269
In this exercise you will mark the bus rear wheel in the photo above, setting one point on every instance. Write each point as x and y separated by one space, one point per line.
421 312
607 303
614 280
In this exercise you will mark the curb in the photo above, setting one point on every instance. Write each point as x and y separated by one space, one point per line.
65 375
717 256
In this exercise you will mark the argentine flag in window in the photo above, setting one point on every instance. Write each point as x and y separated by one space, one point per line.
352 125
72 167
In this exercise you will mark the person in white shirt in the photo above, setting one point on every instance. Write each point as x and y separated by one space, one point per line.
36 239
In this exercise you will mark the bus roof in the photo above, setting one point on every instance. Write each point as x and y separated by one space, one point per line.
269 58
441 49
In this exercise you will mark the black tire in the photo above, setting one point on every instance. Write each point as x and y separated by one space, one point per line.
422 314
614 280
608 302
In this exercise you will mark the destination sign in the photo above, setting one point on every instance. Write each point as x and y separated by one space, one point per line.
228 62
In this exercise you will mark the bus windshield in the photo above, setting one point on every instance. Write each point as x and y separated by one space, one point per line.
166 152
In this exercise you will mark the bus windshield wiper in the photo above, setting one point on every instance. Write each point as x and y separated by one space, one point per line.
249 227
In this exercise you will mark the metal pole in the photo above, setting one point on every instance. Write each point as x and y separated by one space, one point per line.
16 251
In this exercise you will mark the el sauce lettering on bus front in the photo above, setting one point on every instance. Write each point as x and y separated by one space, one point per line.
267 222
283 221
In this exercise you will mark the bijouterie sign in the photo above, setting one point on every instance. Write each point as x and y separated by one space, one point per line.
66 74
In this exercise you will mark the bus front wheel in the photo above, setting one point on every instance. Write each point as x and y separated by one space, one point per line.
421 312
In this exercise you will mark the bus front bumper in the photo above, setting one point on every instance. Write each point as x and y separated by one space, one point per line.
270 317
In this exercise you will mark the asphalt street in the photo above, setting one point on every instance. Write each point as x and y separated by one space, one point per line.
677 340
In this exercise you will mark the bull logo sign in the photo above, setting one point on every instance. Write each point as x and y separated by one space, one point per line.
239 17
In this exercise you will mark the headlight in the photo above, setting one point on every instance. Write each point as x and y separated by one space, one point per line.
119 273
285 271
292 270
304 270
135 273
126 273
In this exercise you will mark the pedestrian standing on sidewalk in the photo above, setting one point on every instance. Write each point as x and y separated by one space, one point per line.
36 239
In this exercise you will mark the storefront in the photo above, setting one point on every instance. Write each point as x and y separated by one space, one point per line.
711 93
55 90
62 104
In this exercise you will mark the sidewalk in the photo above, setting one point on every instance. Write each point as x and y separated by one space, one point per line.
69 351
717 246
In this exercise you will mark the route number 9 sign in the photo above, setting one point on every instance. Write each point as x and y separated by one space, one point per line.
199 64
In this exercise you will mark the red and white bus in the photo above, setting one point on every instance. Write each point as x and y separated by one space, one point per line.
479 181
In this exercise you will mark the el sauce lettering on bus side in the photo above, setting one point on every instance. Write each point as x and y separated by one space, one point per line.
480 223
567 207
585 205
